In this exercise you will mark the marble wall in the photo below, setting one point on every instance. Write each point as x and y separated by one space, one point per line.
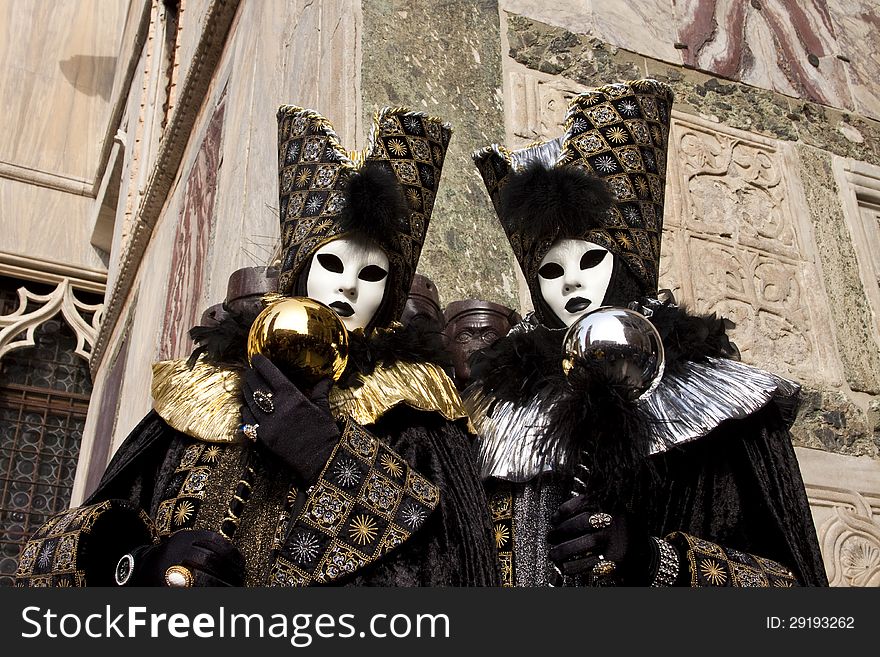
55 88
444 58
195 230
823 51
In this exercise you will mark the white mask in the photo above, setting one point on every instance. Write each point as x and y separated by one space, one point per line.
574 276
350 276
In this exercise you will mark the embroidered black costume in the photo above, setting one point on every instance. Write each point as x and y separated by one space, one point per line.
696 484
383 492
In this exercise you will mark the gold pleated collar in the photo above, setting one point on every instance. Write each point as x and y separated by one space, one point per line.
204 401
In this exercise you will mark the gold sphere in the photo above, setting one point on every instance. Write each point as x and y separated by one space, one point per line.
302 337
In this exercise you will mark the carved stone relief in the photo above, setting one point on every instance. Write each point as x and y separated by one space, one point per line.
536 105
850 539
17 328
749 253
859 184
847 518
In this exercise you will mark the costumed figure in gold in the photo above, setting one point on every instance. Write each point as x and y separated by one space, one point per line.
312 439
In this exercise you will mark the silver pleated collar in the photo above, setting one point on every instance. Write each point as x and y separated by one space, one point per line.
686 406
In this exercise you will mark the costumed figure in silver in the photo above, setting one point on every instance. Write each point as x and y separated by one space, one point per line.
620 437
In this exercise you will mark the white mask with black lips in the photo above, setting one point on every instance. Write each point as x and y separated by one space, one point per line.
350 276
574 277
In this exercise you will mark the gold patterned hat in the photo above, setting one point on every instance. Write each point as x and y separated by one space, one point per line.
385 192
617 133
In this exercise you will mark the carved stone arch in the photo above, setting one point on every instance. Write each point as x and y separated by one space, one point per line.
46 337
61 300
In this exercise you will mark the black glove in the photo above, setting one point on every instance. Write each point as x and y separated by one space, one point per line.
298 429
203 558
576 542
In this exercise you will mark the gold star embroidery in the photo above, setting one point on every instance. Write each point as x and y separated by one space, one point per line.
321 124
415 200
183 512
713 572
624 241
657 134
291 496
397 147
211 454
641 187
302 178
390 465
362 530
617 135
501 535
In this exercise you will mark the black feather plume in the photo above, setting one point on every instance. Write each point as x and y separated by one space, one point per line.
690 337
595 423
565 200
413 343
375 207
592 420
224 343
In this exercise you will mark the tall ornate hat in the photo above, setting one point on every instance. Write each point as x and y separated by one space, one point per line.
616 134
385 192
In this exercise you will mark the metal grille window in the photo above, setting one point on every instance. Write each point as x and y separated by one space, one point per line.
44 396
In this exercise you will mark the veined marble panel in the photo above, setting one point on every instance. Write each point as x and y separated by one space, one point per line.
56 81
646 27
191 19
189 261
769 44
857 25
47 224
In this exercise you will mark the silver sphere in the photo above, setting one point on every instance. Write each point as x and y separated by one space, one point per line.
624 345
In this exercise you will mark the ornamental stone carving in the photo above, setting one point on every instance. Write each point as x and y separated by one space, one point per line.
748 250
850 541
17 329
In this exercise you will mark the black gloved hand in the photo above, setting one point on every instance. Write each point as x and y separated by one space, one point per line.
208 557
576 543
297 428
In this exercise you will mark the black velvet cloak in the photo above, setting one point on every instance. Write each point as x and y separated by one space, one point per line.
454 547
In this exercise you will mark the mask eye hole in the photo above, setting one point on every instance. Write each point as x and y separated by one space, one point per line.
551 270
372 273
331 262
592 258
